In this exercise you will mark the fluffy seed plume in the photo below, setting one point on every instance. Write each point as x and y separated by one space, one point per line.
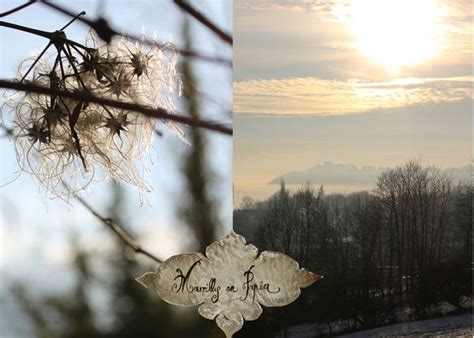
60 140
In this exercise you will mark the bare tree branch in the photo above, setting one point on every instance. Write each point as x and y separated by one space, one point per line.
37 32
16 9
88 97
125 237
106 33
185 6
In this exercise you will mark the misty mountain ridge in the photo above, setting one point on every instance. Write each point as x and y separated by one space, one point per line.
330 173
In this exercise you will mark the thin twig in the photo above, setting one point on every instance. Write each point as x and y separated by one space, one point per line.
16 9
33 31
35 62
204 20
106 33
125 237
44 34
72 20
88 97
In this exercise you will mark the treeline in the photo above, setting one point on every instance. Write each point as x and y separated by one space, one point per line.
400 252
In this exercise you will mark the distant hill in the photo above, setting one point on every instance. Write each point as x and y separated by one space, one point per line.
330 173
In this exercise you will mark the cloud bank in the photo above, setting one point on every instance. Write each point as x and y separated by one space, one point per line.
330 173
310 95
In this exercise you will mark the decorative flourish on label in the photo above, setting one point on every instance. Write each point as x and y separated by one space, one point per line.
230 282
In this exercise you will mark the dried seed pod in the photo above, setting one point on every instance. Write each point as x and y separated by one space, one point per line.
61 140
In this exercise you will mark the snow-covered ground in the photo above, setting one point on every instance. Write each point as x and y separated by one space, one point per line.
454 326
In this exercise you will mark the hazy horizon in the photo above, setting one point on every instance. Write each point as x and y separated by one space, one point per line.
342 178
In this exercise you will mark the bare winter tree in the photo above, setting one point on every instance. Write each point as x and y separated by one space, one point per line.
415 203
403 248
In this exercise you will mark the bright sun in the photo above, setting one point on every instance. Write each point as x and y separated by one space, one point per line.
395 33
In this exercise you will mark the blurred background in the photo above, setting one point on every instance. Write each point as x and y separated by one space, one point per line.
62 272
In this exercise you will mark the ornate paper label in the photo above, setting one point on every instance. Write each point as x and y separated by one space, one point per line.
230 282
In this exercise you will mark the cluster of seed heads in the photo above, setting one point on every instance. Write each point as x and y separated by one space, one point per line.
69 143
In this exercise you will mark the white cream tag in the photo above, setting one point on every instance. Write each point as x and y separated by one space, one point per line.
230 282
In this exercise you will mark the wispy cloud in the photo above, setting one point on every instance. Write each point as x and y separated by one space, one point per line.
316 5
310 95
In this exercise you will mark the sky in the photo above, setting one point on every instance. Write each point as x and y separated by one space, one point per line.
35 231
362 83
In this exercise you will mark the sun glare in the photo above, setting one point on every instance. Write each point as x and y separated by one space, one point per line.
395 33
